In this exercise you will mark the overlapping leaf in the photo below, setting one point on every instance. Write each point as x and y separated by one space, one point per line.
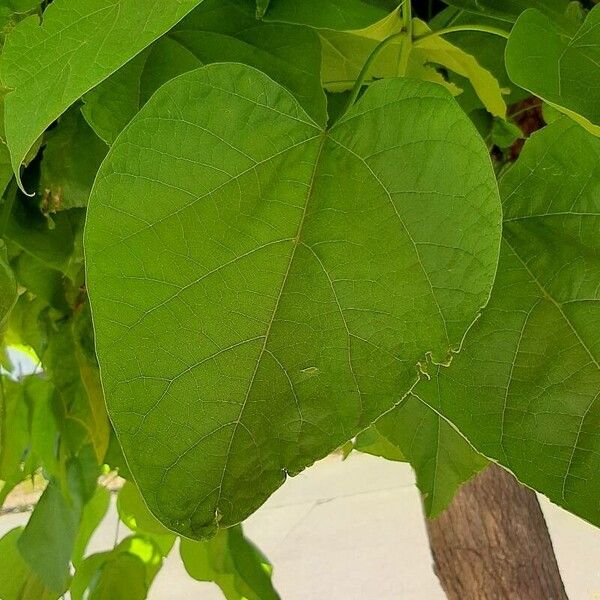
525 388
559 61
440 456
48 66
262 289
217 31
345 53
28 431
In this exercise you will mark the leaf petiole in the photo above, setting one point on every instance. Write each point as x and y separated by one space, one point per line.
367 66
457 28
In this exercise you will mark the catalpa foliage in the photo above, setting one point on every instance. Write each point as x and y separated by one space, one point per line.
237 236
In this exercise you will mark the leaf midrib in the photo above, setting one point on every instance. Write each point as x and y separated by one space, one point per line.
297 242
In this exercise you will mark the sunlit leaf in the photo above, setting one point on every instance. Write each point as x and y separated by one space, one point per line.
239 276
345 53
487 49
116 575
135 514
436 49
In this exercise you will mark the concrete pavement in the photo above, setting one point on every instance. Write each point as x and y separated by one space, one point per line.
353 530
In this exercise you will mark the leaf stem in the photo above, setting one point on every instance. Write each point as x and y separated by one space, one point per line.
456 28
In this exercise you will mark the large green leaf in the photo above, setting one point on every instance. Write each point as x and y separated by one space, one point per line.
263 289
567 72
231 561
217 31
48 66
525 387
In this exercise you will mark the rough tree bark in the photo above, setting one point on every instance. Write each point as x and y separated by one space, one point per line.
492 543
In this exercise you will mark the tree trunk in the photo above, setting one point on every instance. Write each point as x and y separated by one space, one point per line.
492 543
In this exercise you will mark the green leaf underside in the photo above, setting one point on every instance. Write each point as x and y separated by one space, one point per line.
567 72
49 66
525 388
216 31
262 289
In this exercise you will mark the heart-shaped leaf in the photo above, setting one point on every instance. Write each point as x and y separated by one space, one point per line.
263 289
